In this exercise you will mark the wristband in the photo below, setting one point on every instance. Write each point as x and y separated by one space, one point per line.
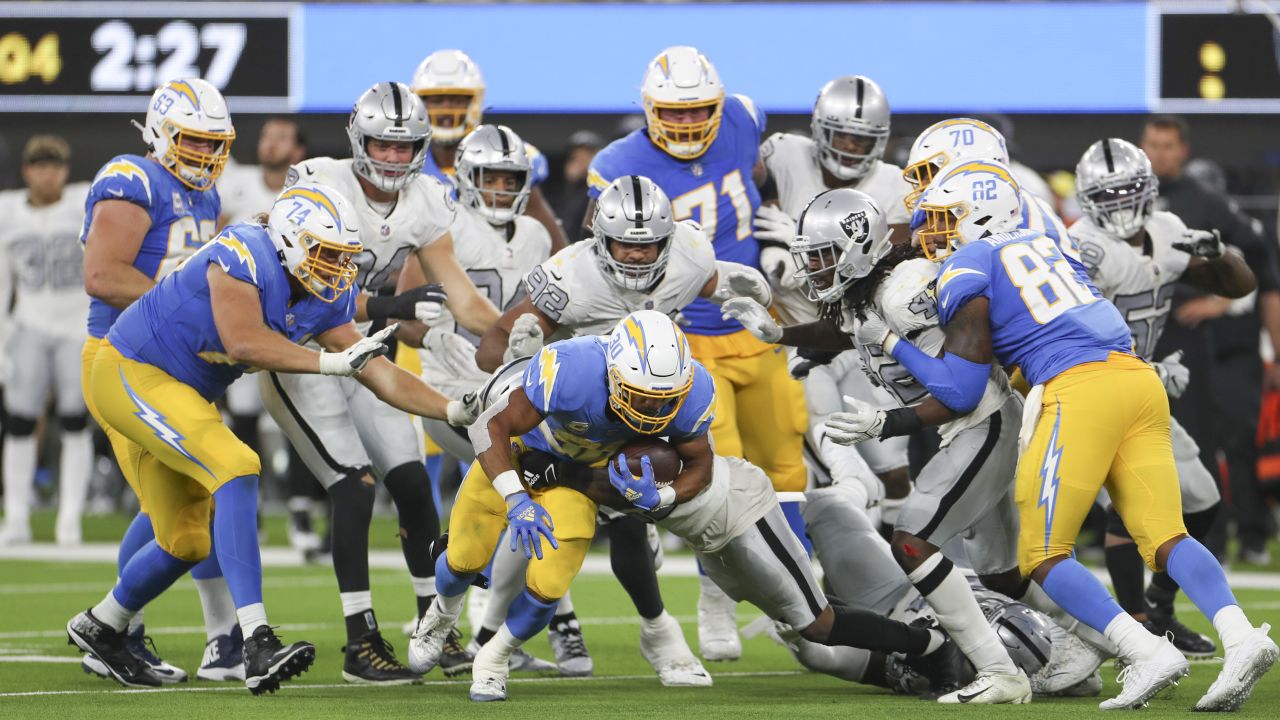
666 497
508 483
900 421
379 307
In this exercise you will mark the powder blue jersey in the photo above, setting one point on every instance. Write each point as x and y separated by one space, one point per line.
568 383
172 328
1046 315
182 220
716 190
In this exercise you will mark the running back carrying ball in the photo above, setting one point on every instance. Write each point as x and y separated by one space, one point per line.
663 458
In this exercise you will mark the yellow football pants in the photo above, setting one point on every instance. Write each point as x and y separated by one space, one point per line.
119 444
1101 423
480 515
172 442
760 410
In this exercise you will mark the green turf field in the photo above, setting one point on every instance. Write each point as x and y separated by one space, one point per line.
39 674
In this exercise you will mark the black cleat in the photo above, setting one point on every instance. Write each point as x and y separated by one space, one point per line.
946 668
372 661
267 662
1162 621
110 648
455 660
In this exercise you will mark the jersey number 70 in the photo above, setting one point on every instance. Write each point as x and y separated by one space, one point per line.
1047 283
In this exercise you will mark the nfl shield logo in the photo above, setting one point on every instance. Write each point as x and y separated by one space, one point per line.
290 319
386 231
179 207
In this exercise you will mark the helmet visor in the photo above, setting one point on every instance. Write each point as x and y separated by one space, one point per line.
329 268
645 410
940 229
683 139
196 156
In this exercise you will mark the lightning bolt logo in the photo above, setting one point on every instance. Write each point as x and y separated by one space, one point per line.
1049 479
548 367
237 246
126 170
156 422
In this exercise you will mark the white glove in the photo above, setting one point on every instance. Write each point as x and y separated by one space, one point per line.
777 265
744 283
352 360
753 317
429 312
773 225
461 413
863 422
1173 374
525 339
1202 243
872 330
455 354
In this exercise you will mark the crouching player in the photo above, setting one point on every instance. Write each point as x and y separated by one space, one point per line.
246 300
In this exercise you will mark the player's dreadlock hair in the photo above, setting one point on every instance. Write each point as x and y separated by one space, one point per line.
859 295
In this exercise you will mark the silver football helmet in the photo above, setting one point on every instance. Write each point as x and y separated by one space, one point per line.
388 111
1116 187
633 210
850 126
1023 632
492 148
840 236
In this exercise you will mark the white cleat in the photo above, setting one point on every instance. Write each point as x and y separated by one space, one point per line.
992 689
67 531
1243 666
427 642
1142 680
489 674
1089 687
718 626
15 533
1072 661
662 643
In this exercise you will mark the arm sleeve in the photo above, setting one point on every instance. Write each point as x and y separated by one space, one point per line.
954 381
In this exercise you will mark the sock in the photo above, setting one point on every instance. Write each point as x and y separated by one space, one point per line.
566 605
889 509
1232 626
451 588
1128 571
1130 637
111 612
300 512
868 630
1077 591
1159 596
352 512
138 534
357 612
528 616
632 564
846 663
19 477
503 643
235 535
1201 577
150 572
952 600
485 633
73 480
1034 596
252 617
410 490
424 590
506 582
791 511
215 598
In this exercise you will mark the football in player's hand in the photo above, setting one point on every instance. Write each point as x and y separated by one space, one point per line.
662 457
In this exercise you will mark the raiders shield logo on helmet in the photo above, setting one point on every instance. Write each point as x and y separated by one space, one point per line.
855 226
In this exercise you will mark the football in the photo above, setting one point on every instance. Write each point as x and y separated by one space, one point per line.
663 458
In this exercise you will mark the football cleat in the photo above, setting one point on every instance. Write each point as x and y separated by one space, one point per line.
14 533
456 659
372 661
1071 662
1089 687
946 668
1142 680
570 648
519 662
428 641
489 673
992 689
718 639
223 657
267 662
109 648
1162 621
67 531
662 643
1243 666
142 647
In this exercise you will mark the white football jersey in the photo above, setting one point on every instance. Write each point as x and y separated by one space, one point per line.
906 301
739 495
1138 280
572 290
244 194
45 261
420 215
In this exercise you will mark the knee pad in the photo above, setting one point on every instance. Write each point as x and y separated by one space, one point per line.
550 577
74 423
1115 525
189 544
19 426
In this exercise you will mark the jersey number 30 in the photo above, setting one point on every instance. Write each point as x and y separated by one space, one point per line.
1048 285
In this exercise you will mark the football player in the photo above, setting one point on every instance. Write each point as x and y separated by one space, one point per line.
346 436
452 87
144 216
173 353
702 148
1097 415
41 261
1134 256
581 399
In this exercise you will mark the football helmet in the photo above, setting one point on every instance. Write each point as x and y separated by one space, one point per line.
388 111
1116 187
190 109
840 236
650 370
316 237
451 72
969 201
681 78
852 105
633 210
1023 632
493 148
945 143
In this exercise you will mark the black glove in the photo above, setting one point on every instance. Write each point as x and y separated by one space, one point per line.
807 359
405 305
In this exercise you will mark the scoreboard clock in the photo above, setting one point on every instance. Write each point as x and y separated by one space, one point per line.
110 57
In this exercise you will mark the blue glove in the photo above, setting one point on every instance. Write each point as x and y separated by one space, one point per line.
639 491
528 522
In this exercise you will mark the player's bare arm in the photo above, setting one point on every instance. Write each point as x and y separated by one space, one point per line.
472 310
515 418
1228 276
115 235
821 334
696 458
391 383
493 344
237 313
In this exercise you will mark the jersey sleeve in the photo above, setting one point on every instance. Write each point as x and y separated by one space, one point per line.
699 409
769 153
341 312
438 212
541 168
908 303
234 257
755 112
549 379
964 276
702 254
602 170
121 179
548 287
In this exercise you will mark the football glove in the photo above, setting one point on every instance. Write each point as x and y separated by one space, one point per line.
461 413
754 317
525 339
872 330
352 360
779 268
1205 244
528 522
807 359
455 354
861 423
749 284
1173 374
640 490
425 303
773 225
